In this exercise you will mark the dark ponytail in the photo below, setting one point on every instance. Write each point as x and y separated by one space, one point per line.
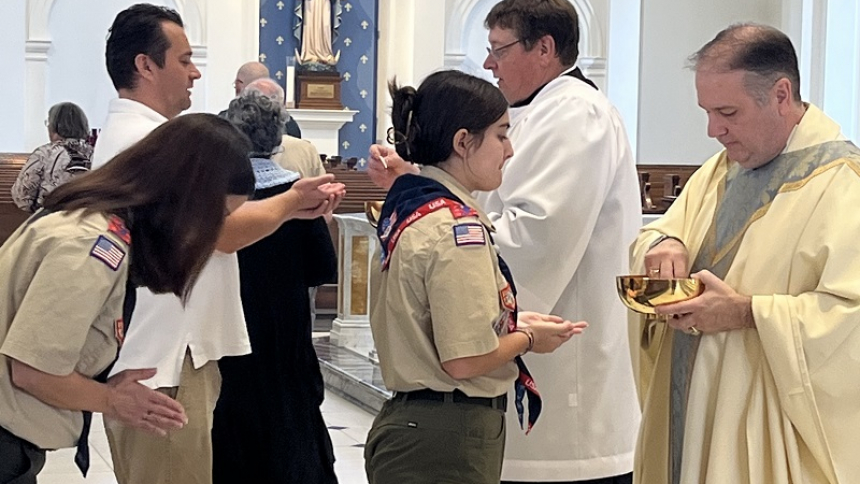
425 121
403 120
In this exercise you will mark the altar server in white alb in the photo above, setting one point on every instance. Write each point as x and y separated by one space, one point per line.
565 213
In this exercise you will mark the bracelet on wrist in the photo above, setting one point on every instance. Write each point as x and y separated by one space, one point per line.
530 336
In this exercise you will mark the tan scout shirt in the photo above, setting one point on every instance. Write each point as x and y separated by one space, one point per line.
437 302
62 283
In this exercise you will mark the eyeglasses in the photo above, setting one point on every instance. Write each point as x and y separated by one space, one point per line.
496 53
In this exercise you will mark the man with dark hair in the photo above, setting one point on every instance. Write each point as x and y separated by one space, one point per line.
755 380
567 207
148 59
153 76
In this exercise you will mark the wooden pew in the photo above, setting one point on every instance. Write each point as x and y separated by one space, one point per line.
10 215
359 189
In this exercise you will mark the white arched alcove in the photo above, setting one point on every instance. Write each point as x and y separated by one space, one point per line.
466 38
64 56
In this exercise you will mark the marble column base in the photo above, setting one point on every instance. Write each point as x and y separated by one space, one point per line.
353 335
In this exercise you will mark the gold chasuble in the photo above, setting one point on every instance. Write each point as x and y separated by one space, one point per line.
779 403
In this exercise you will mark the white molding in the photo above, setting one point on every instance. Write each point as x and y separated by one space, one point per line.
37 50
595 69
813 50
592 39
193 13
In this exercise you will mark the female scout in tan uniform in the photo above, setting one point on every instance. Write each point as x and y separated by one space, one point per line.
445 319
63 278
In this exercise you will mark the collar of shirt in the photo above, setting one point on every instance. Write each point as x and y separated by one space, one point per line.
814 127
573 71
130 106
441 176
268 174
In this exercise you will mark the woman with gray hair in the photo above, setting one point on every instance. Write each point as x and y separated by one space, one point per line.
54 163
268 425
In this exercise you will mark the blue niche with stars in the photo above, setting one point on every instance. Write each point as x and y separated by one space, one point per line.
356 41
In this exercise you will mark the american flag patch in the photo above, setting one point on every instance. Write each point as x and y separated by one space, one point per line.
108 252
469 234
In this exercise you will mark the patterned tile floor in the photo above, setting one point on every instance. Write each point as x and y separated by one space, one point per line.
348 426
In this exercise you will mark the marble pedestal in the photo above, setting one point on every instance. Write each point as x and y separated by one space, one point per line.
356 246
322 126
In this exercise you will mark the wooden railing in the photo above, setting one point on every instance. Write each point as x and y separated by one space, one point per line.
359 188
10 215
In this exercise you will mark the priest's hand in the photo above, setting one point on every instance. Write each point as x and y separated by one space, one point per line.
718 308
667 259
385 165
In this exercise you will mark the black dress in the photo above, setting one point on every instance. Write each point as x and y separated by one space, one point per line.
268 426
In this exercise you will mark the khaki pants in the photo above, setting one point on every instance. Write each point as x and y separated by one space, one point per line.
182 457
420 442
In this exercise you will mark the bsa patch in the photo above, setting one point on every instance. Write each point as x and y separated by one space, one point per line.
387 224
506 295
469 234
117 227
108 252
460 211
119 330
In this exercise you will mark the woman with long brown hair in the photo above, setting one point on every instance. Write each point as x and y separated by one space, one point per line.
151 217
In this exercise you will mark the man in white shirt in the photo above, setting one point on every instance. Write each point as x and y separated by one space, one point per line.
149 60
564 215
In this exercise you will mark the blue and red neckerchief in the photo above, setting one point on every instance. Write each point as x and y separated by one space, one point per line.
410 199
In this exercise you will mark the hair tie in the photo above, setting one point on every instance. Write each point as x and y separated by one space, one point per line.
395 137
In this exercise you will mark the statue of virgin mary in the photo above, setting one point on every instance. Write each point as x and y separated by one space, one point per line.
315 27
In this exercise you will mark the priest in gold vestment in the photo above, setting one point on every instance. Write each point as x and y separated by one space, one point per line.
756 380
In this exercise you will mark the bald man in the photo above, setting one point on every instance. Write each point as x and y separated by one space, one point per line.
248 73
253 71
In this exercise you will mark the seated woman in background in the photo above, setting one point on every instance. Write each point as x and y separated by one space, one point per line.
445 318
150 217
55 163
268 425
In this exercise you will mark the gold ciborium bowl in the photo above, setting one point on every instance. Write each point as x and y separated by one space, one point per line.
373 210
642 293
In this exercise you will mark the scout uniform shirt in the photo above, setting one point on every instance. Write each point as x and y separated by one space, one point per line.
62 283
439 300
